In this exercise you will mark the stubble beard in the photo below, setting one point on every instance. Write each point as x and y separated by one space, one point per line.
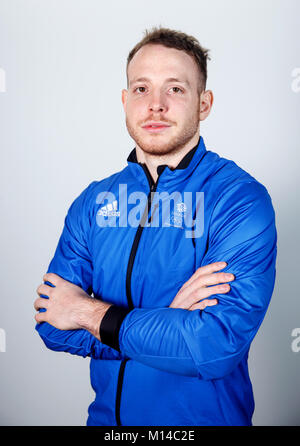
174 145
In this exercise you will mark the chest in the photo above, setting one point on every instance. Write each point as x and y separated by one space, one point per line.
147 263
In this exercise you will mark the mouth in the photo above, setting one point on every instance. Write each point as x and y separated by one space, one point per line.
156 127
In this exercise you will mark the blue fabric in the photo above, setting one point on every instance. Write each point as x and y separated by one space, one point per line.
185 368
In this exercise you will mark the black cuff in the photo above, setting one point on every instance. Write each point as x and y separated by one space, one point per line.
111 324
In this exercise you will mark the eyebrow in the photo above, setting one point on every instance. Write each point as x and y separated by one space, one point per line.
170 79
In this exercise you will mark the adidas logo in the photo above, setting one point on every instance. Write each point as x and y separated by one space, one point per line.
110 210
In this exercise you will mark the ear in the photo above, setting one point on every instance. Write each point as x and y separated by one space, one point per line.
124 98
206 102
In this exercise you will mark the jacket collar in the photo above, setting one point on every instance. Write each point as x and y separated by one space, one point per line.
168 174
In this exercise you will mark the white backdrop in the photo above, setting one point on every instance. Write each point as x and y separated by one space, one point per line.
62 68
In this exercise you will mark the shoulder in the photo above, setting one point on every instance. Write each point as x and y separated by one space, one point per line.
224 172
243 211
240 200
84 205
232 182
90 193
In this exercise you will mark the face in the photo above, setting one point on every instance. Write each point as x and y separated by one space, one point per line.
162 104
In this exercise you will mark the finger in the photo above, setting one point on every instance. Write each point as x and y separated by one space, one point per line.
214 279
204 270
40 317
211 290
52 278
44 289
211 267
203 304
208 280
186 300
40 302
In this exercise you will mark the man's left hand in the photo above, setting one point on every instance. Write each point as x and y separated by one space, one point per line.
69 307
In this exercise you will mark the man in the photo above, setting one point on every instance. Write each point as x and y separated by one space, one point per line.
180 283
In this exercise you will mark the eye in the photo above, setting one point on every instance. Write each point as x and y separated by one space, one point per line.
177 90
138 89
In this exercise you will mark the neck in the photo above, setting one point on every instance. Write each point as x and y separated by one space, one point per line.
172 160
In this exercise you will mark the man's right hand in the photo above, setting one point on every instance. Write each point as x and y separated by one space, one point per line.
194 293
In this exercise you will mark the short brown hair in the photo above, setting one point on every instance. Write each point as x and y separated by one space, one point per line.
180 41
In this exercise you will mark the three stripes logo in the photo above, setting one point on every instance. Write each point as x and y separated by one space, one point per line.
110 210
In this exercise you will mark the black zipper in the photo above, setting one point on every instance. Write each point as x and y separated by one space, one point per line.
119 391
133 251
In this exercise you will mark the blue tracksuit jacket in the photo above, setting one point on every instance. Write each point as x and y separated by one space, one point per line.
158 365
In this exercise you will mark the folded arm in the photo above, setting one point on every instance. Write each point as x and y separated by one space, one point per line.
72 262
210 343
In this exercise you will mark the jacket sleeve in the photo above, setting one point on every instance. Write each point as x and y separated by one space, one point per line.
72 261
210 343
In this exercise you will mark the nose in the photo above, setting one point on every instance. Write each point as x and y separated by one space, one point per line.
157 103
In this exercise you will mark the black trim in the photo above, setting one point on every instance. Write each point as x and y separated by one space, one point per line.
110 326
187 158
119 391
112 334
182 165
132 156
132 255
137 238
